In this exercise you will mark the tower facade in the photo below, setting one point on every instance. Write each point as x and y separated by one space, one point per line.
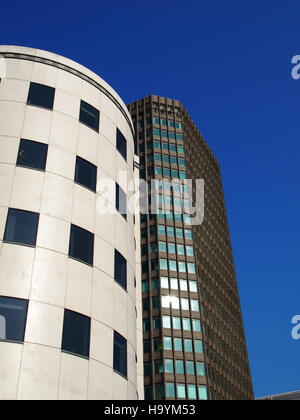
70 316
194 342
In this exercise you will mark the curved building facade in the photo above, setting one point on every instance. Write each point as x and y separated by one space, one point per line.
69 313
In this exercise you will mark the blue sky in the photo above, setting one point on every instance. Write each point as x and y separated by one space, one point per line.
230 64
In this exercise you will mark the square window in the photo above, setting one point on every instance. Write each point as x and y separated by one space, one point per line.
120 269
32 155
203 395
195 305
176 323
181 393
164 282
121 144
200 367
168 343
192 393
85 174
169 366
121 201
21 227
198 346
81 245
76 334
186 324
196 325
179 367
89 116
174 283
178 344
170 390
13 315
185 304
166 322
120 354
190 368
41 95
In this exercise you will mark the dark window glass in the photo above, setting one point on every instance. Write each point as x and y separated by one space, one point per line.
147 346
76 334
121 144
13 314
121 204
41 95
89 115
21 227
32 155
85 173
81 245
148 393
120 354
120 269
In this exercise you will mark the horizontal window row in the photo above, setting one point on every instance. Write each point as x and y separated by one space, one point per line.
43 97
170 231
167 134
176 344
169 247
172 283
173 302
22 227
76 334
180 266
170 160
168 147
184 391
179 367
177 323
169 123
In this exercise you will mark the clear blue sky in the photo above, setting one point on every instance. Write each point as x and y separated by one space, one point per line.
229 62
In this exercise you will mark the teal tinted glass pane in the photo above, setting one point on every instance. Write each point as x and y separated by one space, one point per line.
162 247
163 122
178 125
188 234
164 134
200 368
173 265
169 366
176 323
153 247
192 393
179 364
159 367
145 286
180 249
165 146
157 157
186 322
196 325
181 391
178 344
194 305
177 204
161 230
188 346
193 286
185 304
180 149
182 175
156 132
164 282
198 346
156 323
146 325
182 267
172 248
167 172
170 390
186 219
179 136
189 251
163 264
172 135
203 393
173 147
170 231
159 391
191 268
168 345
165 158
156 120
172 124
178 218
175 174
158 171
190 369
155 283
169 216
181 162
166 322
173 160
179 233
157 144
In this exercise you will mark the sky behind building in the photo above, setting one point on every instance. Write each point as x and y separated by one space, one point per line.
230 64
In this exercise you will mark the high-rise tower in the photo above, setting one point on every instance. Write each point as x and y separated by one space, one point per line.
194 342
